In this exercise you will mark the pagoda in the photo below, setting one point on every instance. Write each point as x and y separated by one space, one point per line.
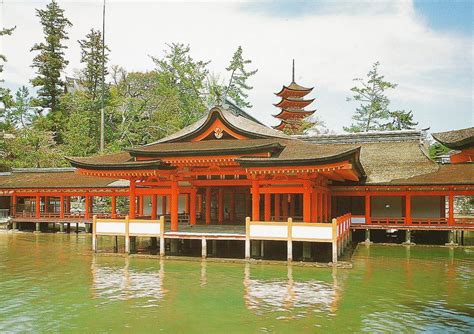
292 104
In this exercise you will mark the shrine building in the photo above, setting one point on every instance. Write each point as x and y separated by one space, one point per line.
230 177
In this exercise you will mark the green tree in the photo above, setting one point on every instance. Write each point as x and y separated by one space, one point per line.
50 60
237 86
183 79
95 60
21 113
401 120
437 149
81 130
5 94
305 126
373 109
30 147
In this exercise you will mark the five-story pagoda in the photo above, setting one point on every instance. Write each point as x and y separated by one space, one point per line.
292 105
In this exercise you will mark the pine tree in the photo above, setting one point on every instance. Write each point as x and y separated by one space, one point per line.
374 104
5 94
21 114
95 63
50 61
237 86
401 120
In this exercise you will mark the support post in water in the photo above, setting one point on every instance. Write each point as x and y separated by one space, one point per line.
290 240
38 228
203 248
334 240
408 238
127 236
247 238
94 236
367 237
451 239
162 235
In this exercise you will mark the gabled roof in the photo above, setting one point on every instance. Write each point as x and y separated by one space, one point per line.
236 122
456 139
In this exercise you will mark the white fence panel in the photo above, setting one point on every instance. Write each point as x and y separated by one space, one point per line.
268 231
312 232
136 228
110 227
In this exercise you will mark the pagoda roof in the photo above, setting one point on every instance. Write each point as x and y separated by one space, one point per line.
456 139
291 102
294 113
293 89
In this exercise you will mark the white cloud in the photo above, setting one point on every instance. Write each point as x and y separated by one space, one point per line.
331 47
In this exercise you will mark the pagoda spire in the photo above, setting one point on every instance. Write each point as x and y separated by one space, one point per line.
293 72
292 104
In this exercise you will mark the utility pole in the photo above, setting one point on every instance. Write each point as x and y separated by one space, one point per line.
102 112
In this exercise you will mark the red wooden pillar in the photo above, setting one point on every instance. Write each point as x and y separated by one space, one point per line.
61 206
232 206
208 205
325 207
192 207
306 203
277 207
314 206
248 205
255 201
367 209
91 206
220 205
168 204
174 206
114 206
163 204
199 203
186 203
141 202
131 208
292 198
451 208
87 207
284 204
329 206
14 200
408 219
267 207
154 206
320 206
38 207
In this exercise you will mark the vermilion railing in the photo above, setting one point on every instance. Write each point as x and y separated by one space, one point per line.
387 221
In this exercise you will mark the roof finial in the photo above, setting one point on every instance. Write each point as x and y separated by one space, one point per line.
293 72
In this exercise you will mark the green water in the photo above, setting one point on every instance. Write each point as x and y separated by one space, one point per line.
52 283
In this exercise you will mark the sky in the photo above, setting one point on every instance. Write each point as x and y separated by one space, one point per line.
426 47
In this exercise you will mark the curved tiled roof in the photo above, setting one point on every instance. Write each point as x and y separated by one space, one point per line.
57 178
459 174
456 139
235 120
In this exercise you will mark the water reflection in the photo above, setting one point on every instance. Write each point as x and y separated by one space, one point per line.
289 295
114 283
